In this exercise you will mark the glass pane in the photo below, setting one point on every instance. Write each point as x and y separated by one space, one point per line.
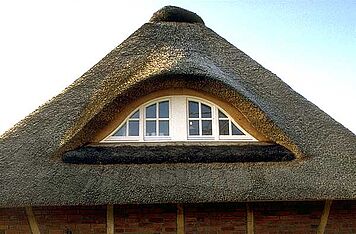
133 127
163 127
150 127
135 115
194 127
121 131
193 109
205 111
223 127
222 115
235 130
206 127
151 111
164 109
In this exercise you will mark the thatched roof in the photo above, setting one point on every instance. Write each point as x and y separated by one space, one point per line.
165 54
178 152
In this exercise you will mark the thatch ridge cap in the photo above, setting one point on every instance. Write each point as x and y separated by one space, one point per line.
176 14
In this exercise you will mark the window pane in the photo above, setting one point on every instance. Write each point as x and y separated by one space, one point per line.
151 111
207 127
223 127
193 109
133 127
205 111
222 115
235 130
163 127
193 127
121 131
164 109
135 115
150 127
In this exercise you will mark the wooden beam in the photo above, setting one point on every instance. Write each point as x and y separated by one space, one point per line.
32 220
324 217
180 219
250 219
110 226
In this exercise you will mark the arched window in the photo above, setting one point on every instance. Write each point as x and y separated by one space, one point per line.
178 118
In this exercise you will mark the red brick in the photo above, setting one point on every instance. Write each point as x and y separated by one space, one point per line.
270 217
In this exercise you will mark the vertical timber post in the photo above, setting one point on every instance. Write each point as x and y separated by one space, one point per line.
180 219
110 219
324 217
32 220
250 219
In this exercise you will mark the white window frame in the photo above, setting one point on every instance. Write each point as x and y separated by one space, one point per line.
112 138
179 123
200 119
157 119
246 137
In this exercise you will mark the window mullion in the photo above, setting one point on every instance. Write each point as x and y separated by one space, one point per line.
215 120
142 124
200 121
157 125
200 128
157 118
230 128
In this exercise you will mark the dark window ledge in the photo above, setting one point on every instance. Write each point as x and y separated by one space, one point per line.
192 152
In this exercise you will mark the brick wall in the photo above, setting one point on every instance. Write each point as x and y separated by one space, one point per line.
287 217
342 218
75 219
145 219
269 217
215 218
13 221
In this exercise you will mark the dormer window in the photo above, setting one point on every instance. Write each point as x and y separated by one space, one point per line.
200 119
156 120
131 127
179 118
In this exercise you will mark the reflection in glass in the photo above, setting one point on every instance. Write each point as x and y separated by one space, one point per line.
222 115
151 111
133 128
163 127
135 115
121 131
193 109
207 127
193 127
235 130
164 109
223 127
151 128
205 111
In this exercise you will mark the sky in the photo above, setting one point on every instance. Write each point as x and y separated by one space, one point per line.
46 45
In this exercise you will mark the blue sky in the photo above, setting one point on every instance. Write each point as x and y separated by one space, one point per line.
46 45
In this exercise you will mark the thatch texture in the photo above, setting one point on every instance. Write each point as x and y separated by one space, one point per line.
163 55
151 153
175 14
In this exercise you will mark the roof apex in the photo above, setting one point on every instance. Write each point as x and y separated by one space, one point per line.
176 14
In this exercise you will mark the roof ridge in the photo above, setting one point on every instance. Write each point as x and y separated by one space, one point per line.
176 14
